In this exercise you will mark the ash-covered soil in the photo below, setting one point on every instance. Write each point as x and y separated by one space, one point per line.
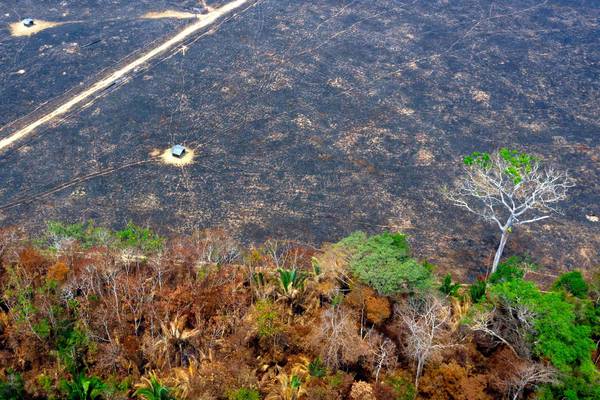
313 119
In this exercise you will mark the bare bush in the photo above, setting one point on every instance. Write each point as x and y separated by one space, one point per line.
427 322
337 338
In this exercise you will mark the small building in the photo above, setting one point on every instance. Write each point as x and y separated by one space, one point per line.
28 22
178 151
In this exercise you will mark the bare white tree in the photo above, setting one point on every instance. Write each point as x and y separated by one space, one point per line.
509 188
382 353
337 338
511 325
426 319
529 375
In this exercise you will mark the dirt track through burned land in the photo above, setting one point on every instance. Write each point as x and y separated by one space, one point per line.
103 84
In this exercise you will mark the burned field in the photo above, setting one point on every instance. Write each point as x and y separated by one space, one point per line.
310 120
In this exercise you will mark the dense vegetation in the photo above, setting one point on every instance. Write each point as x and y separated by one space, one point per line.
88 313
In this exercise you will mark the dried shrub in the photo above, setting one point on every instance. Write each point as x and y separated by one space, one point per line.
377 308
453 382
58 272
33 263
337 340
362 391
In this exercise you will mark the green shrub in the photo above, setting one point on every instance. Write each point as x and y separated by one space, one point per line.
316 368
86 233
244 394
512 268
152 389
403 388
383 262
72 342
573 283
83 388
138 237
13 388
477 290
267 319
449 288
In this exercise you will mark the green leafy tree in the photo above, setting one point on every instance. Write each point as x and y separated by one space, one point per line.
142 238
86 233
509 188
573 283
383 261
512 268
13 388
556 334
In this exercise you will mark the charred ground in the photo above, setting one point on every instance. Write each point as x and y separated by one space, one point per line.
311 120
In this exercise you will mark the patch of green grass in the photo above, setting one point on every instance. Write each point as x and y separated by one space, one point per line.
244 394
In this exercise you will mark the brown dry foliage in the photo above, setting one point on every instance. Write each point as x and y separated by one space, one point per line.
451 381
337 340
377 308
362 391
34 265
58 272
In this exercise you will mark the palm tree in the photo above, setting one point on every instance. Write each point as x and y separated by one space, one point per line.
84 388
175 337
152 389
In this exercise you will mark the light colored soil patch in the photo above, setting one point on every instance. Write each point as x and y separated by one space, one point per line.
169 14
303 122
18 29
169 159
424 157
481 96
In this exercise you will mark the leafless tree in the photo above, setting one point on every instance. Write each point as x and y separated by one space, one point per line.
426 319
529 375
9 238
509 189
509 324
382 354
337 338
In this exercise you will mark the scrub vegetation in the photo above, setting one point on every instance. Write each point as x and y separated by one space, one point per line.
90 313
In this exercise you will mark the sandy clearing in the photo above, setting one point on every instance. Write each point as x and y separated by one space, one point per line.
18 29
168 158
204 21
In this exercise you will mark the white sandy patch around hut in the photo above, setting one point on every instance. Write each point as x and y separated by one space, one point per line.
18 29
169 14
170 159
